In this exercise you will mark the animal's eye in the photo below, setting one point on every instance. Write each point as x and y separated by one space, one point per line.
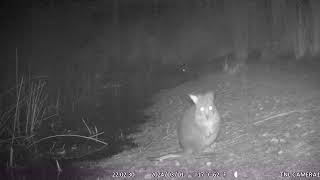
202 109
210 108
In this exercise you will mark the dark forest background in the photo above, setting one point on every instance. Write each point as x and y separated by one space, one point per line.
56 38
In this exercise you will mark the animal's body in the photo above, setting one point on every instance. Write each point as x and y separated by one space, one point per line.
198 127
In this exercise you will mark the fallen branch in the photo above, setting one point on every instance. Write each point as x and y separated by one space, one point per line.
69 135
284 114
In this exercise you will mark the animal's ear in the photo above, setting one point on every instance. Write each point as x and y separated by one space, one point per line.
194 98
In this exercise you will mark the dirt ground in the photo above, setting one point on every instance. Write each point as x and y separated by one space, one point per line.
270 120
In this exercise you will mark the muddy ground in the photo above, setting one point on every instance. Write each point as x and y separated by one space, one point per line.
270 120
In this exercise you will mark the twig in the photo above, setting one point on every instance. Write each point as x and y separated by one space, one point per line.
84 122
3 119
53 146
15 122
284 114
95 132
58 166
43 119
67 135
